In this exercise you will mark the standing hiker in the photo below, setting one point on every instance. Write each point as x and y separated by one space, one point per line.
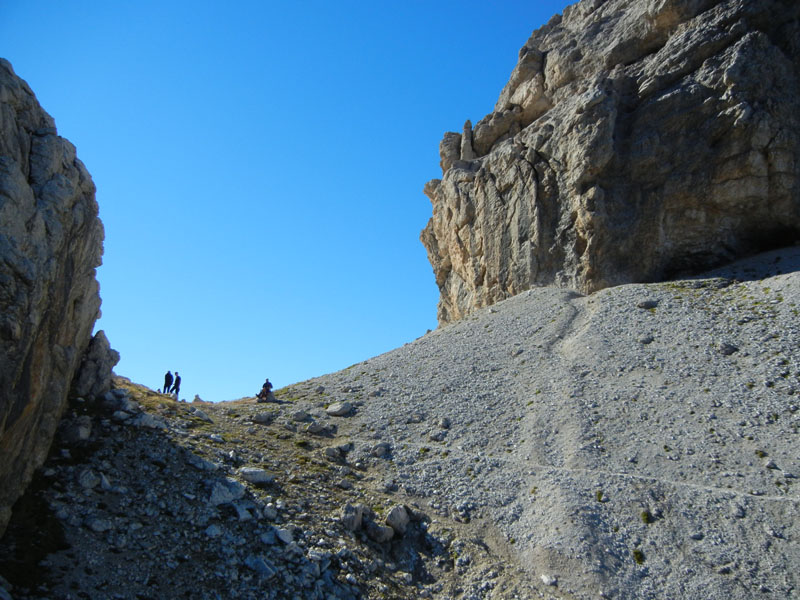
176 387
167 382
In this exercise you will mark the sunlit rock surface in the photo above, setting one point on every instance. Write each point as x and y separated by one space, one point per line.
635 140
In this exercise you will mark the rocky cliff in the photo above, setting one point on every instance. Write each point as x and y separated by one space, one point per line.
635 140
50 243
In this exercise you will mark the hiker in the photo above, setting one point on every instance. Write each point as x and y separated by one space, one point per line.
176 387
263 395
167 382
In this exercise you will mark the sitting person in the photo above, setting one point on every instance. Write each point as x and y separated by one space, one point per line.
263 395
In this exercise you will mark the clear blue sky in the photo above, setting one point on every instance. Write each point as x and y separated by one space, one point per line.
259 167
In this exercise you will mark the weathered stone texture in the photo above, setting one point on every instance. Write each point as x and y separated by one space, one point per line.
96 369
635 140
50 243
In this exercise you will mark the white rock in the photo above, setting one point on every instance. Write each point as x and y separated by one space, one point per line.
299 415
260 565
352 515
99 525
284 535
379 533
339 409
316 427
381 449
243 510
332 453
88 479
150 421
398 519
225 492
549 579
201 415
256 476
213 531
263 418
105 484
270 512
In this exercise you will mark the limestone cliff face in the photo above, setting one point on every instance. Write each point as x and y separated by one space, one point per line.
635 139
50 243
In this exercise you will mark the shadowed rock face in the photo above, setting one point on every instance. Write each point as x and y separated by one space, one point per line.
635 140
50 243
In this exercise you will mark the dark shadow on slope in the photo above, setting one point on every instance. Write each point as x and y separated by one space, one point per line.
752 268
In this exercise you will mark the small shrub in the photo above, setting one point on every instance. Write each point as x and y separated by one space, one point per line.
638 556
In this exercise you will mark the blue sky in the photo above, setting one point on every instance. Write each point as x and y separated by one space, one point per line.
259 168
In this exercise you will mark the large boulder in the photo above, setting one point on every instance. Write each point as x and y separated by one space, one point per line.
51 241
634 141
93 378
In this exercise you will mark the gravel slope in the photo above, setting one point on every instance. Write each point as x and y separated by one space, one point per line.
641 442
